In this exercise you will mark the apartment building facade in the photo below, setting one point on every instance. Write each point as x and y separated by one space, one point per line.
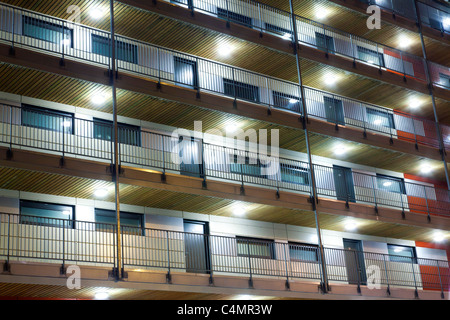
246 160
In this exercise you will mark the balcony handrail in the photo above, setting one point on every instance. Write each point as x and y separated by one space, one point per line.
212 254
158 147
273 82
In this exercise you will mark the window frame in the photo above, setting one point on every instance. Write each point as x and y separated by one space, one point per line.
278 96
379 57
42 205
126 229
379 113
234 85
401 181
247 240
48 112
44 24
120 45
304 245
97 121
303 171
234 17
402 259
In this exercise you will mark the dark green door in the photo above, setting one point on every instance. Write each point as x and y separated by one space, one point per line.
343 183
354 262
334 110
196 246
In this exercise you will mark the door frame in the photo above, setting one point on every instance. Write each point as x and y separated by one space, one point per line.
206 237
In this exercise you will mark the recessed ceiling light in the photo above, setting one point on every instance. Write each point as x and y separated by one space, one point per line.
101 296
100 193
426 168
224 50
340 150
96 13
239 211
330 79
321 13
404 41
231 128
414 103
438 237
350 226
98 99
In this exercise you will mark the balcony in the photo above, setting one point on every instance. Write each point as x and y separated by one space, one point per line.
63 135
195 73
76 41
35 239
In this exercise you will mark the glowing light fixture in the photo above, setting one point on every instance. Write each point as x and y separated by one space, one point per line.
404 41
438 237
426 168
100 193
239 211
350 226
101 296
224 50
96 13
330 79
98 99
446 22
340 150
321 13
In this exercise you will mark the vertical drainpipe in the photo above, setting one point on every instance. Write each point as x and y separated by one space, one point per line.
115 172
430 88
312 182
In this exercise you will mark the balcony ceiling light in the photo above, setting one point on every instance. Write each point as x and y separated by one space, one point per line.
239 211
96 13
426 168
98 99
404 42
340 150
321 13
231 128
415 103
224 50
350 226
438 237
100 193
330 79
101 296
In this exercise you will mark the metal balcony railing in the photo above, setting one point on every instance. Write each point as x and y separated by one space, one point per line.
432 14
63 135
90 45
36 238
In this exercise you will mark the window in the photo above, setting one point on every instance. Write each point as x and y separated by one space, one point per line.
47 119
370 56
47 31
279 30
249 167
324 42
46 214
391 184
402 253
380 118
444 80
241 90
124 51
128 134
286 101
131 223
303 252
234 17
186 72
256 248
294 174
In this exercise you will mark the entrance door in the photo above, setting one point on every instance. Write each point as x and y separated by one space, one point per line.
191 157
343 182
196 246
334 110
186 73
354 261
